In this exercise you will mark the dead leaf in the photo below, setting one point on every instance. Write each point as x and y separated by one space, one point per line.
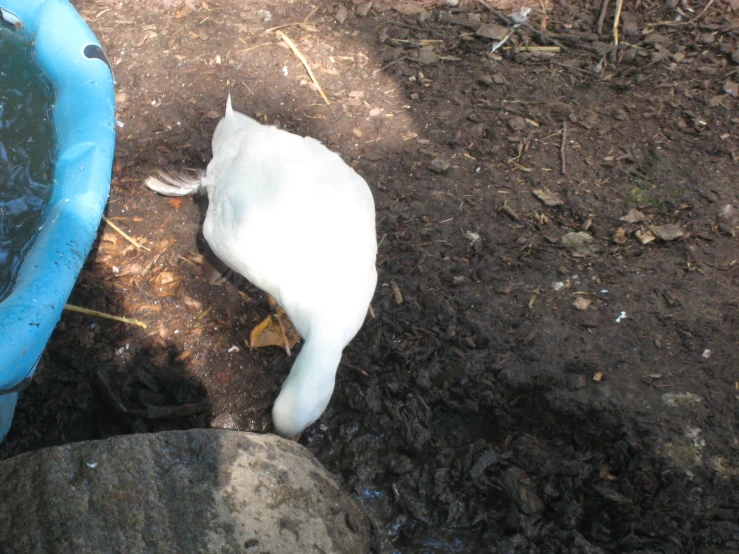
598 377
165 284
146 36
176 203
582 303
269 333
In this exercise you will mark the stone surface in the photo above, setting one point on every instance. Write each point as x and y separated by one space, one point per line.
199 491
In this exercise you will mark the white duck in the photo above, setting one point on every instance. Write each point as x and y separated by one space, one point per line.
295 220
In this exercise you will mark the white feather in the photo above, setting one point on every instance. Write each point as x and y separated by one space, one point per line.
175 185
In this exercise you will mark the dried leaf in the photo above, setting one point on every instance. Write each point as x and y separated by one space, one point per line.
269 333
582 303
176 203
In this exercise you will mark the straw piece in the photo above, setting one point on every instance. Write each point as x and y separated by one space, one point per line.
302 59
79 310
124 235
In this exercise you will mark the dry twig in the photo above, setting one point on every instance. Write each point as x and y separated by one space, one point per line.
302 59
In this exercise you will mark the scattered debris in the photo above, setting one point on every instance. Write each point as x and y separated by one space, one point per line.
620 317
582 303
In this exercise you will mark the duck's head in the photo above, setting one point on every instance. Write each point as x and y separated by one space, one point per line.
307 390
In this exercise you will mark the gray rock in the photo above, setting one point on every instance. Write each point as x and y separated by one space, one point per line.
203 490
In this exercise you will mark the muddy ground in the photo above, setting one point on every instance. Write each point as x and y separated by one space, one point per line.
553 362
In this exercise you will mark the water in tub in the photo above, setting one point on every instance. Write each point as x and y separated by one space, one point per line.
27 148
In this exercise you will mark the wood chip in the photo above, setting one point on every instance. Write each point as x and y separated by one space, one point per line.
548 197
582 303
667 232
634 216
439 164
426 55
409 8
396 293
644 237
619 237
363 9
492 31
341 14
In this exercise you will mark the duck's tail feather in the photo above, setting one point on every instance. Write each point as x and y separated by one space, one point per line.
176 185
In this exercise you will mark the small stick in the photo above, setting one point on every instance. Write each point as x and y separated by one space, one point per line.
617 20
602 17
562 147
302 59
79 310
124 235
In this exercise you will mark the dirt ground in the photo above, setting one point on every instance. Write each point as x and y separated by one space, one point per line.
552 365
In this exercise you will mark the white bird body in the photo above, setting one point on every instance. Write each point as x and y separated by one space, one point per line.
290 216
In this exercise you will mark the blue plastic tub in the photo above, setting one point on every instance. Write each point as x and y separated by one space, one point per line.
84 116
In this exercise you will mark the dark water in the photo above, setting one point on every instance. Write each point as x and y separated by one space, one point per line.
27 148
